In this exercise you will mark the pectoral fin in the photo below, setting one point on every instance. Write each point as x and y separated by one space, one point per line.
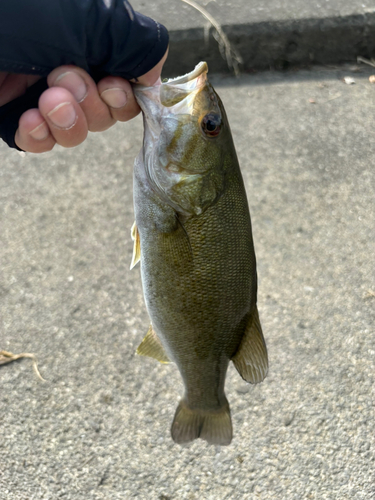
251 359
152 347
137 246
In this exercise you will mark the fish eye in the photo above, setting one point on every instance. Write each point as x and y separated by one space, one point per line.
211 124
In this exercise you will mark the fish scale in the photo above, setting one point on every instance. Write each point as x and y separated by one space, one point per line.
194 241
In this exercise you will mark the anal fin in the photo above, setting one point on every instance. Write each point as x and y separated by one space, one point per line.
137 246
152 347
251 359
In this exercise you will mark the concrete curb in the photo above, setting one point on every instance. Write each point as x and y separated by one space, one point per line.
278 44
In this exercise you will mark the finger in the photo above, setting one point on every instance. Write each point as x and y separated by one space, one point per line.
33 133
65 118
152 76
80 84
117 93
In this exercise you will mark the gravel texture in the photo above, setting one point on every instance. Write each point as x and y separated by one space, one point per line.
98 428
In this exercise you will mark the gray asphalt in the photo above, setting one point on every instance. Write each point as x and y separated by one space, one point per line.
98 428
275 33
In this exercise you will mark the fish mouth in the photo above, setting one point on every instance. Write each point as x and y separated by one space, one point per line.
174 90
199 70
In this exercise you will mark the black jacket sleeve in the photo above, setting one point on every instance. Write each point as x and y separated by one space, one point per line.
104 37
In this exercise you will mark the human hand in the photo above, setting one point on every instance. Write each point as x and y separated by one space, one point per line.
73 105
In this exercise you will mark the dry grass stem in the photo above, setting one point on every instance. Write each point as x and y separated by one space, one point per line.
232 57
8 357
333 98
366 61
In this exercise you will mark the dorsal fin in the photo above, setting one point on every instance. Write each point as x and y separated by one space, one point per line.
136 247
251 359
152 347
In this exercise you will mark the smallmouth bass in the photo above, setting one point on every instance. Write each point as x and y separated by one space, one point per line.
192 235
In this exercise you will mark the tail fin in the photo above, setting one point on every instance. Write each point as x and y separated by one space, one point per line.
213 426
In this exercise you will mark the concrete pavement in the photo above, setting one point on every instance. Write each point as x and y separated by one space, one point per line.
274 34
99 427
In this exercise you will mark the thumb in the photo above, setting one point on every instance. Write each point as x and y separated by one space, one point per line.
152 76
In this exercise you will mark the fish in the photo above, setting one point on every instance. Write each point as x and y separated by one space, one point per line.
193 238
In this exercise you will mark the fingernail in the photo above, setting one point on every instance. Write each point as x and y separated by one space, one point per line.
74 83
40 132
115 98
63 116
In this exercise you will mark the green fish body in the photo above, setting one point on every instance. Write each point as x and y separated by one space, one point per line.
193 236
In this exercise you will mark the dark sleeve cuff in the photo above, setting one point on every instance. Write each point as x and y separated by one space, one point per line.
11 112
102 37
122 42
146 45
